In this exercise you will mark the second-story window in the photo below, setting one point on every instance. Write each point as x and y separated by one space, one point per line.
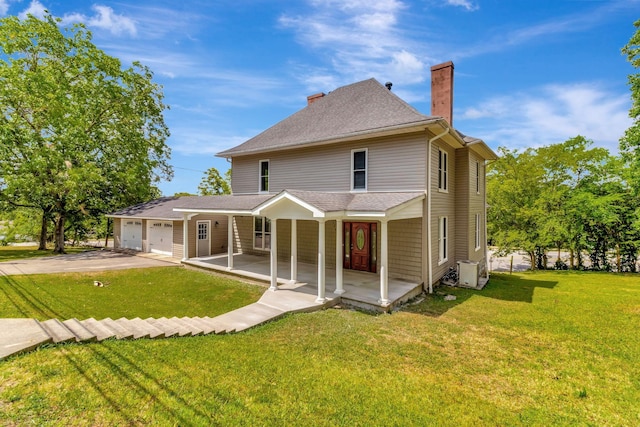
264 176
443 170
359 170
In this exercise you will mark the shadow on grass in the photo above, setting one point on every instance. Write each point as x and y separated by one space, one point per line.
502 287
146 385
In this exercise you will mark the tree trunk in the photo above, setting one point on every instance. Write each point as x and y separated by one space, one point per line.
59 234
43 232
571 260
106 239
532 257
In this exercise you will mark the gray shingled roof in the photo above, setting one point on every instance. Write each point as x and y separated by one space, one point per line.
358 108
363 202
161 208
245 202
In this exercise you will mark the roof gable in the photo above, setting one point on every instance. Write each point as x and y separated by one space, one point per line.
362 107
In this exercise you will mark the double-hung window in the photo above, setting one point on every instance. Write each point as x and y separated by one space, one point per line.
443 239
264 176
359 170
262 233
443 170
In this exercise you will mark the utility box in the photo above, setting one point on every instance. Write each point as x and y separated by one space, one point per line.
468 272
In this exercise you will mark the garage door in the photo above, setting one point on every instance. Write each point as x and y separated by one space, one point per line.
132 234
160 236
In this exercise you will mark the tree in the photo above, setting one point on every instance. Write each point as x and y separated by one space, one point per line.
563 196
79 135
213 184
630 142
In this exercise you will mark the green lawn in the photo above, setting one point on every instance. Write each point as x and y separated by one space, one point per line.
144 292
532 349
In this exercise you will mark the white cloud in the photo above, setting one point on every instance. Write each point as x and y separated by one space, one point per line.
554 114
105 18
466 4
4 7
360 39
35 8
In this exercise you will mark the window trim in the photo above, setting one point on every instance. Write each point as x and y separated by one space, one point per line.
264 233
477 177
366 168
260 176
477 233
443 173
443 239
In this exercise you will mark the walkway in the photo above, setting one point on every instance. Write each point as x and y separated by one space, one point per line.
22 335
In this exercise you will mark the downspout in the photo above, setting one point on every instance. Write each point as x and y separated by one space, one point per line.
429 190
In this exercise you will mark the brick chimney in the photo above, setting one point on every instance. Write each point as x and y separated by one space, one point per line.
442 91
313 98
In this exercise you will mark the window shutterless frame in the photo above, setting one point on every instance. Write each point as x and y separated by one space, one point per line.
443 170
359 169
263 174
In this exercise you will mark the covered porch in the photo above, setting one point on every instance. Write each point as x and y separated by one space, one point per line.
361 289
344 256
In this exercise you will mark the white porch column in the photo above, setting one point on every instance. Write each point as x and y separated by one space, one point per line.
384 260
185 237
294 250
274 255
229 242
339 258
321 261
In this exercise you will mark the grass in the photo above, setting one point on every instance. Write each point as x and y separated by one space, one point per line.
144 292
532 349
12 253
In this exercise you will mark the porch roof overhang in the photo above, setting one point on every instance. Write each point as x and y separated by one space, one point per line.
295 204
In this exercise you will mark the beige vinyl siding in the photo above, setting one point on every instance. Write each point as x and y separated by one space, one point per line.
178 236
465 224
405 249
218 242
443 204
469 202
244 235
477 206
117 233
393 164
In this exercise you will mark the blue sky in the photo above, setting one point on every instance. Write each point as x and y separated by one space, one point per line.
527 73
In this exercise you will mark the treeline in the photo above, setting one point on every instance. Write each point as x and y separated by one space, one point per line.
567 197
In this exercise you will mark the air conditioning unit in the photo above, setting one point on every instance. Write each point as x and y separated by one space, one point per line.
468 272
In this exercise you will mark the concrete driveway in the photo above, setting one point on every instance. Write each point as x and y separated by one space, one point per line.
98 260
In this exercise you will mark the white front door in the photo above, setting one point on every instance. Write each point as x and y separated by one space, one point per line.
132 234
203 245
160 237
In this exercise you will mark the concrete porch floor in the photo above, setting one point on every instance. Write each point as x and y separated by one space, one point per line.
362 289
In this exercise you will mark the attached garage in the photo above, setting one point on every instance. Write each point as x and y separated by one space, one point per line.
132 234
160 236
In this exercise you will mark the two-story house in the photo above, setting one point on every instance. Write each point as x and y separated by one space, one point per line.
357 187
